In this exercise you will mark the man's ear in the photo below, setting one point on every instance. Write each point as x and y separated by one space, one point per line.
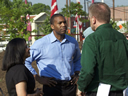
52 26
93 20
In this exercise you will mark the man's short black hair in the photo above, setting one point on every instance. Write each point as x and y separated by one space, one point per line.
53 16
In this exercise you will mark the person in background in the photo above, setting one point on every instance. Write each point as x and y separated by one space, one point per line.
19 80
127 36
58 59
104 57
125 92
87 32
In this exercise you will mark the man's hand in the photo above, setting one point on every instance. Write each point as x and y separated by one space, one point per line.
80 93
46 80
74 79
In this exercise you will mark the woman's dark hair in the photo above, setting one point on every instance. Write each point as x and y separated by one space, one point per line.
14 53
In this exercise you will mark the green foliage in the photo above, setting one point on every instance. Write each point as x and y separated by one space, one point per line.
46 27
114 24
5 3
37 37
38 8
73 9
125 25
11 17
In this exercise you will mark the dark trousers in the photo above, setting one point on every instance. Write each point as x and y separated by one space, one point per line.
61 89
112 93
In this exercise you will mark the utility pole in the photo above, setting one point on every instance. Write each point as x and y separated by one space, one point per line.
124 13
69 17
85 7
67 2
113 10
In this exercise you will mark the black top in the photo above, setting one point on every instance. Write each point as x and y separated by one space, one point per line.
16 74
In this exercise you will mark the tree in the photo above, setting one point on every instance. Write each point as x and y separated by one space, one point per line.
5 3
114 24
37 8
12 21
73 9
45 27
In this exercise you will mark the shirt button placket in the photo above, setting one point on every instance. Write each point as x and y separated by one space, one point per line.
61 52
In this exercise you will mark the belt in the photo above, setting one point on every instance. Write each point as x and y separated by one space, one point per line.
63 82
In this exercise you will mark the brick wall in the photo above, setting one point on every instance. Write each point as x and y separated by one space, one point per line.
121 13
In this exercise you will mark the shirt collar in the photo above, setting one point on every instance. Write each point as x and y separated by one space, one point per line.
67 37
53 38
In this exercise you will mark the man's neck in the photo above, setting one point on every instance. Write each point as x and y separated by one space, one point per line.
99 24
59 37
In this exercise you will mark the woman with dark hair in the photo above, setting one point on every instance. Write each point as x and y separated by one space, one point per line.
19 80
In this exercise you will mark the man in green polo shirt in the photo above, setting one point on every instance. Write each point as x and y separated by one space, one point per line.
104 57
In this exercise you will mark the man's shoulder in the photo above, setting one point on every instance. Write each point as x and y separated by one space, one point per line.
43 39
41 42
71 39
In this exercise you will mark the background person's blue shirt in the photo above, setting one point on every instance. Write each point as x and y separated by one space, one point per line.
54 58
87 32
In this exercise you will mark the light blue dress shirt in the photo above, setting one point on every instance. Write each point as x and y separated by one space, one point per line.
54 58
87 32
125 92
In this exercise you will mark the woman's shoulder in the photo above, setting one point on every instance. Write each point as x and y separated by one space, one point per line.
17 68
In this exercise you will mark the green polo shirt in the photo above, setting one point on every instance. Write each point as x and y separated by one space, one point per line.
104 60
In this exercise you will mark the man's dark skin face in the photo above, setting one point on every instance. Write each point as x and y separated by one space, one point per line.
59 26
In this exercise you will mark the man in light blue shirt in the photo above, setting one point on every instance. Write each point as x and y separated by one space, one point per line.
58 59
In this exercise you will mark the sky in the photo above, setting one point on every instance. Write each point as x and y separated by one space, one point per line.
61 3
